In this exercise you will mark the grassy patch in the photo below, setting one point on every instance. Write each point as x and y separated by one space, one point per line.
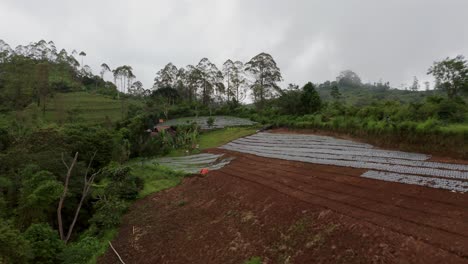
104 244
156 177
216 138
253 260
455 128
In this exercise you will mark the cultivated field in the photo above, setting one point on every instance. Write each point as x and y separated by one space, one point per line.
82 107
290 198
397 166
219 122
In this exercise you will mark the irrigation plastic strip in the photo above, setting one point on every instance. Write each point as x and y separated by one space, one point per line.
455 185
325 149
194 163
355 164
349 155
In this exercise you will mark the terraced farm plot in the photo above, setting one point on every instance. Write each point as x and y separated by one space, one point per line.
219 122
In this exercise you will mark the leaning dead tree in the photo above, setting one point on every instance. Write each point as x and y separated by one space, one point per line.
86 187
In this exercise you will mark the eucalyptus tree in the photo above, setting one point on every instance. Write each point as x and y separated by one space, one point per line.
125 75
86 71
82 55
5 51
266 74
212 80
239 81
415 86
136 89
104 68
181 84
193 81
166 77
42 84
228 69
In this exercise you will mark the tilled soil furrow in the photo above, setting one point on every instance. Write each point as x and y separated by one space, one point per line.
435 221
452 200
328 181
456 244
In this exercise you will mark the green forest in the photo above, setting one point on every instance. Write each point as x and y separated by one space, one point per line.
73 144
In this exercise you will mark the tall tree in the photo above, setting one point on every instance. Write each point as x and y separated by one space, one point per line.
236 81
228 68
415 86
136 89
348 78
266 73
42 82
166 77
181 84
82 55
194 81
211 78
125 75
310 99
427 85
451 75
88 182
104 68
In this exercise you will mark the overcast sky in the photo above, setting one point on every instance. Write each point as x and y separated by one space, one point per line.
310 40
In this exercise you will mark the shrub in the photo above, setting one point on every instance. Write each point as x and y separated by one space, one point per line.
122 184
14 248
80 252
430 125
108 213
45 243
210 121
37 196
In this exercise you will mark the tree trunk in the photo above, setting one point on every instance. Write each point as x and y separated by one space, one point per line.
64 194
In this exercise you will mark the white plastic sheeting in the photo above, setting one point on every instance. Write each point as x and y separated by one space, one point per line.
447 184
194 163
398 166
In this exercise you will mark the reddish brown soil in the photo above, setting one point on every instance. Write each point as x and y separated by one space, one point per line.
293 212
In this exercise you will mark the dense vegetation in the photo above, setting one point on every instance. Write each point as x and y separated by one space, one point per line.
73 146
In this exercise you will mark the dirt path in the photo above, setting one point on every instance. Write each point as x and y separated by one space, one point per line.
293 212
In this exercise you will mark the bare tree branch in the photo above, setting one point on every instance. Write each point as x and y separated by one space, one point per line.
85 192
86 186
64 194
115 251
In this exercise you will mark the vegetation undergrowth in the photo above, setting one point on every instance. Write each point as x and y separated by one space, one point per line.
254 260
215 138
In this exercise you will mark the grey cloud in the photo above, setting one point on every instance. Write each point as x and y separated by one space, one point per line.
311 40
